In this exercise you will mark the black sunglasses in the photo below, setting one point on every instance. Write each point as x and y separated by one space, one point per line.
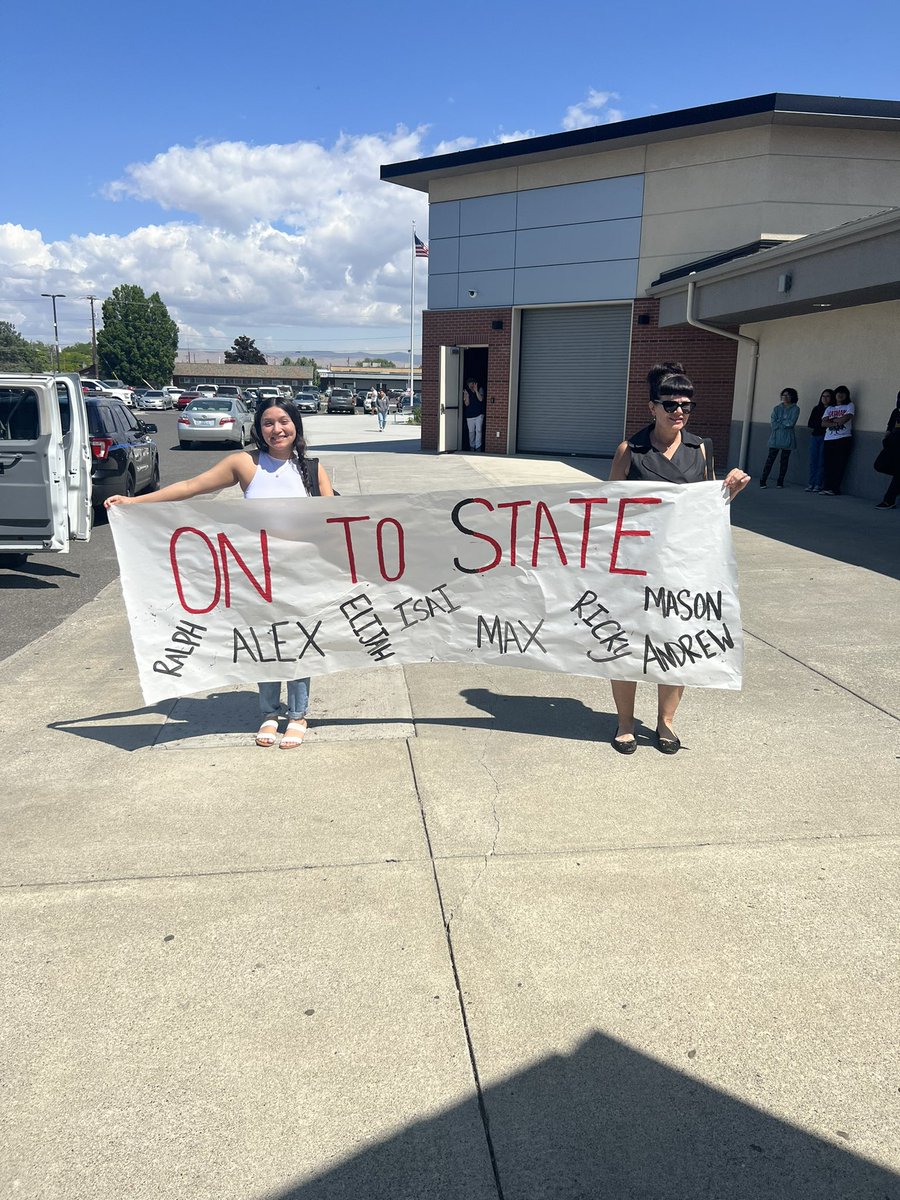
670 406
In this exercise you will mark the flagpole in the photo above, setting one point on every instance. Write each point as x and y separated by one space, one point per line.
412 310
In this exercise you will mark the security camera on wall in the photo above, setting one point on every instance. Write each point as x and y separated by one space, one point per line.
472 293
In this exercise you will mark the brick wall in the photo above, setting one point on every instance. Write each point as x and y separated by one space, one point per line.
708 360
469 328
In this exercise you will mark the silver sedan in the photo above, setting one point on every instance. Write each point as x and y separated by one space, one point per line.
215 419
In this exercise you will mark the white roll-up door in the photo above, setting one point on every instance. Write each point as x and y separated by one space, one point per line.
573 379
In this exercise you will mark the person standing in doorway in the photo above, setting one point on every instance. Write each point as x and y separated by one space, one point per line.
382 407
474 406
817 441
838 422
782 438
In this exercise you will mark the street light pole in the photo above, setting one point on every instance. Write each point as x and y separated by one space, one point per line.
93 336
54 296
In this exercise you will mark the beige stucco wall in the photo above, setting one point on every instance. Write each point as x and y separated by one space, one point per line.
859 347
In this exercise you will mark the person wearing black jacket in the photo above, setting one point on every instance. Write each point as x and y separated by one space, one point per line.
889 458
817 441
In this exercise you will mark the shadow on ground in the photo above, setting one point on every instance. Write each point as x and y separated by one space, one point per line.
607 1123
236 712
839 527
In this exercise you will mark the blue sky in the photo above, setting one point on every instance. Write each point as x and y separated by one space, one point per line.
228 154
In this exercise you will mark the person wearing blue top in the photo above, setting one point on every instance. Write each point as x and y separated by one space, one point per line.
782 438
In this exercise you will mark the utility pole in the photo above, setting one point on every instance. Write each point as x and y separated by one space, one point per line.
93 336
54 296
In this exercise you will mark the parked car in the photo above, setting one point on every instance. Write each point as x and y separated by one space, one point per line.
173 393
184 400
407 405
114 390
230 389
215 419
266 395
155 400
251 395
124 457
45 465
307 399
341 400
207 389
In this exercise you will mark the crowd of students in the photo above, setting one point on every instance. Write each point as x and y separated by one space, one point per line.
831 441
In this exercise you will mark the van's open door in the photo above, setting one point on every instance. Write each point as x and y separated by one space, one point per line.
77 450
34 473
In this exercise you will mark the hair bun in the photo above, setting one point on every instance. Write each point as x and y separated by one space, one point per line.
672 368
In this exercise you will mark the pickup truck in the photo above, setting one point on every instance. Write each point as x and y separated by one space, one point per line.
121 392
45 465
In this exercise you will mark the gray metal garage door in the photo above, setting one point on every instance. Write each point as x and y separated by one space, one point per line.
573 377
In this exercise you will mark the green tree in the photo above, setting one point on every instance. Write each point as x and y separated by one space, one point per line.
310 362
76 356
286 362
245 350
17 354
139 340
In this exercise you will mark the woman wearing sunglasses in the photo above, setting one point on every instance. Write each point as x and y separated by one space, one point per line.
663 452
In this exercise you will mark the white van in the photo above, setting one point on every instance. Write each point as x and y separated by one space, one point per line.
45 464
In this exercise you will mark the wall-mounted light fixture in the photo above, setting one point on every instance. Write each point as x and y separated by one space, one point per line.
784 283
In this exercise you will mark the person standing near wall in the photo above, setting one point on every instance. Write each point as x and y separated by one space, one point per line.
888 461
817 441
838 422
474 406
782 439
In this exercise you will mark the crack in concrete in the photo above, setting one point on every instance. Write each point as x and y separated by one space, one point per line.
455 912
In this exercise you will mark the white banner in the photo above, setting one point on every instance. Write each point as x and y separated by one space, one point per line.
617 580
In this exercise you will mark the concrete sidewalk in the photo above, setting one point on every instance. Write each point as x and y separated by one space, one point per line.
456 947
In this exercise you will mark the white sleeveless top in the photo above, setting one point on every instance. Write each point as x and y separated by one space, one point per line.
275 479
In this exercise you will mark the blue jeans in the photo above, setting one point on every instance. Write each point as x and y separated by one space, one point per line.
297 698
816 461
382 419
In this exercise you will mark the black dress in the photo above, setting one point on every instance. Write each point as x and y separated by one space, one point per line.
687 464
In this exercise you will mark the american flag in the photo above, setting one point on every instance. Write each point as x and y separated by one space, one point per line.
421 248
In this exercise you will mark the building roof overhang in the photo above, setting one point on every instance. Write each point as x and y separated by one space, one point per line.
773 108
851 264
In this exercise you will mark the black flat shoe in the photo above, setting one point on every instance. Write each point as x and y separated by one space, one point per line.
667 745
624 747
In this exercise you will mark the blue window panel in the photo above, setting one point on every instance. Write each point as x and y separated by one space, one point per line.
591 242
487 252
616 280
442 291
488 214
571 203
443 256
492 289
443 219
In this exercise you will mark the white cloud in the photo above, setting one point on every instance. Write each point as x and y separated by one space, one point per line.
261 238
593 110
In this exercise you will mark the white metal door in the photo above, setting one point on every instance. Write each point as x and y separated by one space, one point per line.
451 398
77 447
34 510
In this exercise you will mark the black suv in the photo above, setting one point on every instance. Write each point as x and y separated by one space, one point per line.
124 458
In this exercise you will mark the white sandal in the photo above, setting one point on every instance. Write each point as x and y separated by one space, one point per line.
291 740
264 738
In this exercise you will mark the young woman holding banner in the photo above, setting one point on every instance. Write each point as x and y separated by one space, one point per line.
278 468
663 452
